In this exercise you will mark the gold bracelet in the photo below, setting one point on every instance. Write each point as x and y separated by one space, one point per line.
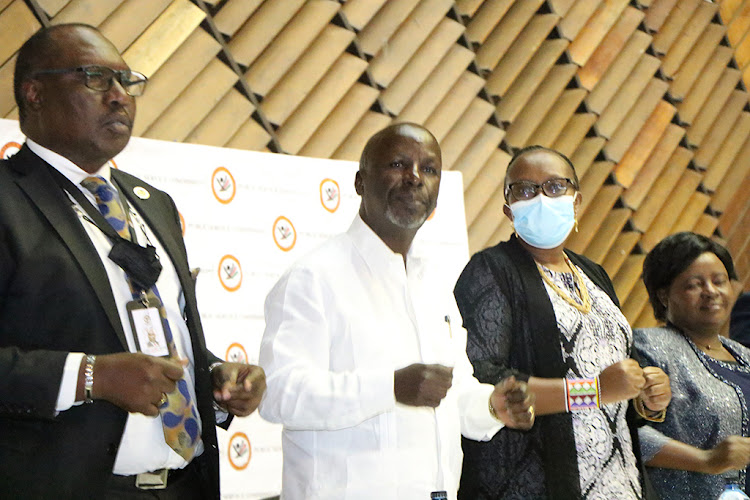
656 416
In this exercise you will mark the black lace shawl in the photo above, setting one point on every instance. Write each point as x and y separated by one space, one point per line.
512 330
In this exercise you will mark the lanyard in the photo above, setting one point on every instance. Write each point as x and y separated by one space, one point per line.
141 264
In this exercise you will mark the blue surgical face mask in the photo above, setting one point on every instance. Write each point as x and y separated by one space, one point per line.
544 222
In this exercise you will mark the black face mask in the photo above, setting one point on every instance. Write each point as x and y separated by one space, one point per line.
140 263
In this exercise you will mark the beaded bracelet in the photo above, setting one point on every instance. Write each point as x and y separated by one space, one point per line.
582 394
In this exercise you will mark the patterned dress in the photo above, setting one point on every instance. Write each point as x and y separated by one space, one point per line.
515 326
590 343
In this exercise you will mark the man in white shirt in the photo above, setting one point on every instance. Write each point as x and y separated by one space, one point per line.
107 387
365 368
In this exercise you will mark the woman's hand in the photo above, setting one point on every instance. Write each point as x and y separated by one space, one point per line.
657 393
621 381
731 454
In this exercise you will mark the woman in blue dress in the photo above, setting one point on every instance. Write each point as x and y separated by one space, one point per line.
703 439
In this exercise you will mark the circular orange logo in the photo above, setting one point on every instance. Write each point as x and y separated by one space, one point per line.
284 234
230 273
223 186
113 164
236 353
183 226
9 150
239 451
432 214
330 195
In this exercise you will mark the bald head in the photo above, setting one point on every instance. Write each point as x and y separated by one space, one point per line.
61 110
399 180
406 130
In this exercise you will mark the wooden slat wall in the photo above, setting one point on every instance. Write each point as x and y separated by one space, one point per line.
648 97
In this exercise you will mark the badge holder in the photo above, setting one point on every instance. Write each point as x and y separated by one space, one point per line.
148 325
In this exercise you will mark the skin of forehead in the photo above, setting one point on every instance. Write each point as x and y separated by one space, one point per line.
76 42
531 161
406 130
416 133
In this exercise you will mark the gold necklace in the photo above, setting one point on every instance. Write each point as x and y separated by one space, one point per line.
585 305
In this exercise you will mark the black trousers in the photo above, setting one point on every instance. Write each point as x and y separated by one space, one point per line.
182 484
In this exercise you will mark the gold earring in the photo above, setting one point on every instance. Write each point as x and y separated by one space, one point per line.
575 225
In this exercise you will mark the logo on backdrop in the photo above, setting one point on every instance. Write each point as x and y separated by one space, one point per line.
183 226
9 150
223 185
230 273
284 234
239 451
236 353
432 214
330 195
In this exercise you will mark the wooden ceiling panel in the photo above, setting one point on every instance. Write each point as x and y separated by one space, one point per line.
294 40
646 97
17 23
414 73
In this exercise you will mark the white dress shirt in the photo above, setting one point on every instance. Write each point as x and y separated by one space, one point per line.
142 448
338 324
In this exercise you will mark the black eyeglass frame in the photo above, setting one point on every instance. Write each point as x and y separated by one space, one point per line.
542 187
133 88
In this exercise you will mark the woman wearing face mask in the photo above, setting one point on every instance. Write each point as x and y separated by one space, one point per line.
704 438
551 317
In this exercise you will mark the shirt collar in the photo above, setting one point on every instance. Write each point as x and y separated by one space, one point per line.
73 172
376 253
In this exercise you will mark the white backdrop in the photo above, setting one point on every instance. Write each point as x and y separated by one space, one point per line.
247 216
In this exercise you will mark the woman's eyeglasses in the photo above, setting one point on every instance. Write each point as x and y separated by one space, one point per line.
526 190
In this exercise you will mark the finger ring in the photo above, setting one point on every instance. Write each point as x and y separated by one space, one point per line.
163 400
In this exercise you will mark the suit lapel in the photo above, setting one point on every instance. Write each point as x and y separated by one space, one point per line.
156 216
38 184
158 213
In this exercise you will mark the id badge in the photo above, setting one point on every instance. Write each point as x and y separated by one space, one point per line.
148 330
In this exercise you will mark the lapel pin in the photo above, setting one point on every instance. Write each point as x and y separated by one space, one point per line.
141 193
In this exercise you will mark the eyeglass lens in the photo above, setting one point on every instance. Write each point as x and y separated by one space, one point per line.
525 190
100 78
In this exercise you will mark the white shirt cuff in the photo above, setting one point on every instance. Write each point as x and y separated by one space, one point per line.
69 383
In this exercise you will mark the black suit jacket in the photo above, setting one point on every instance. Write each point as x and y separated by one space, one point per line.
55 298
739 322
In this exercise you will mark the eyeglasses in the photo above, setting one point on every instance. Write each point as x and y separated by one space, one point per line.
100 78
526 190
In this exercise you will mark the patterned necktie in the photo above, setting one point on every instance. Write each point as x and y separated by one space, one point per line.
178 414
108 203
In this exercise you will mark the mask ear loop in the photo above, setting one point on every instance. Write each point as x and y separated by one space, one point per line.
512 225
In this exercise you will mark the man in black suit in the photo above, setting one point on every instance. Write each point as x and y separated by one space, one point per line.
739 321
84 411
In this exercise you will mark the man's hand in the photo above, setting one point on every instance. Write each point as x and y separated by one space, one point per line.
422 385
135 382
238 387
657 393
621 381
513 403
